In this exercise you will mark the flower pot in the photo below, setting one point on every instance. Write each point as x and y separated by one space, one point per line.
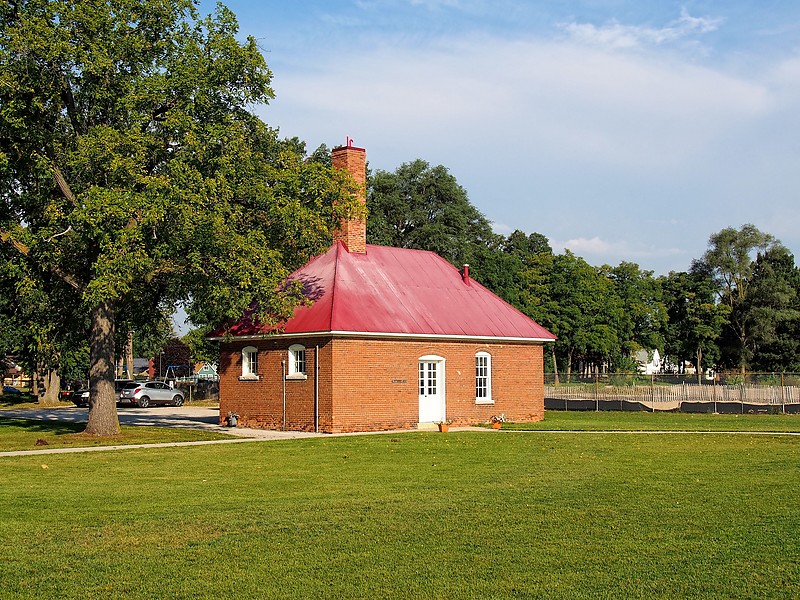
444 427
497 425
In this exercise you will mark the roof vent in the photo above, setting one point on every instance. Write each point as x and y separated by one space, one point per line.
465 274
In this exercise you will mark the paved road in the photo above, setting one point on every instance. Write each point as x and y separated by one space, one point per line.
188 417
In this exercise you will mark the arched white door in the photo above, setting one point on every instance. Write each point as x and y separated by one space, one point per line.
432 407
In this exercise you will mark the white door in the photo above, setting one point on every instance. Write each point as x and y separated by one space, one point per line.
431 391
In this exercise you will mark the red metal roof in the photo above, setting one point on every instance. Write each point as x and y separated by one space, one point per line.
397 291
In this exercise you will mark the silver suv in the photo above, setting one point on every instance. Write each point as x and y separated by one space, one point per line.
143 394
81 396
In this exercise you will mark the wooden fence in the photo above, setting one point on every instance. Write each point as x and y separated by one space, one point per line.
672 397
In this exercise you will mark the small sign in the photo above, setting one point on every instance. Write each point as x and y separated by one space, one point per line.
399 380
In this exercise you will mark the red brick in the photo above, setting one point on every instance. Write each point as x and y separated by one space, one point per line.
371 384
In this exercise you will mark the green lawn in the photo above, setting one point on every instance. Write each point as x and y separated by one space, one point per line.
658 421
25 400
412 515
23 434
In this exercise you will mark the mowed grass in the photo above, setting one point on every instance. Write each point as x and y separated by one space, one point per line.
412 515
29 434
658 421
26 400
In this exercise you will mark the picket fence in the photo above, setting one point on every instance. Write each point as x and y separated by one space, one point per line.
670 397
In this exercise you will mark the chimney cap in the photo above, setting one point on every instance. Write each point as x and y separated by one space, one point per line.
348 146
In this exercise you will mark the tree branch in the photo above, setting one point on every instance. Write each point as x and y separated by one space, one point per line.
55 235
69 102
61 182
25 251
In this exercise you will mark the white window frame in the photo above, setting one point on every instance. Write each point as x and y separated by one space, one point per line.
486 379
249 361
293 372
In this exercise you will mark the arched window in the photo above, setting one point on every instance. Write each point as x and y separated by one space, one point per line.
249 362
297 361
483 378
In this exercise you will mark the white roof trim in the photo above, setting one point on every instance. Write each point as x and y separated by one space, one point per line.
373 334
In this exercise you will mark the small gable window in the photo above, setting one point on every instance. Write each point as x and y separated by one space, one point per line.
297 362
249 362
483 378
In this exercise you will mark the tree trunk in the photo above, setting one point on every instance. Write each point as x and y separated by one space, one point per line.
52 388
699 365
555 364
103 418
743 348
569 365
129 354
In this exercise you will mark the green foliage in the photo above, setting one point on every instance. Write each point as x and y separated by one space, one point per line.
731 259
696 320
773 312
424 207
643 319
201 348
133 175
625 363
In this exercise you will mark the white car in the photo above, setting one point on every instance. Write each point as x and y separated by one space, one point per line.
143 394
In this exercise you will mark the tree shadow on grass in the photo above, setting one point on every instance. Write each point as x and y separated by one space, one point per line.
43 427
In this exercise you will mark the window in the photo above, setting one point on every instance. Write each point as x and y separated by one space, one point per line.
297 362
249 363
427 378
483 378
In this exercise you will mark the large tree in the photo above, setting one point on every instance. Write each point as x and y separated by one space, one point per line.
583 310
731 258
424 207
132 170
696 319
643 319
773 309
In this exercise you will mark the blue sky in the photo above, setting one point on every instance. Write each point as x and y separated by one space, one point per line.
621 130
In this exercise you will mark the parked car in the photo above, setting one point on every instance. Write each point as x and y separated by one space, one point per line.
150 392
81 396
7 389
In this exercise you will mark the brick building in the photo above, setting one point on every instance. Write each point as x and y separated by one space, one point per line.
394 338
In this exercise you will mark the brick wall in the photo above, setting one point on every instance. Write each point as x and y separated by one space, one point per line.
353 232
259 403
374 384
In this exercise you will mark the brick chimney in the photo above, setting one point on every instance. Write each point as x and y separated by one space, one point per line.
353 232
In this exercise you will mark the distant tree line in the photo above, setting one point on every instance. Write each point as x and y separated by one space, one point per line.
736 308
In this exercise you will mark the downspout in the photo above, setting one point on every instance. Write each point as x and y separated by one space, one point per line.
316 389
283 377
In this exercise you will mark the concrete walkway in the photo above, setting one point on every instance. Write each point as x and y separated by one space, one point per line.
207 419
185 417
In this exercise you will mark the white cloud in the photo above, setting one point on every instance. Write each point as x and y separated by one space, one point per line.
575 141
615 35
502 228
576 102
595 247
